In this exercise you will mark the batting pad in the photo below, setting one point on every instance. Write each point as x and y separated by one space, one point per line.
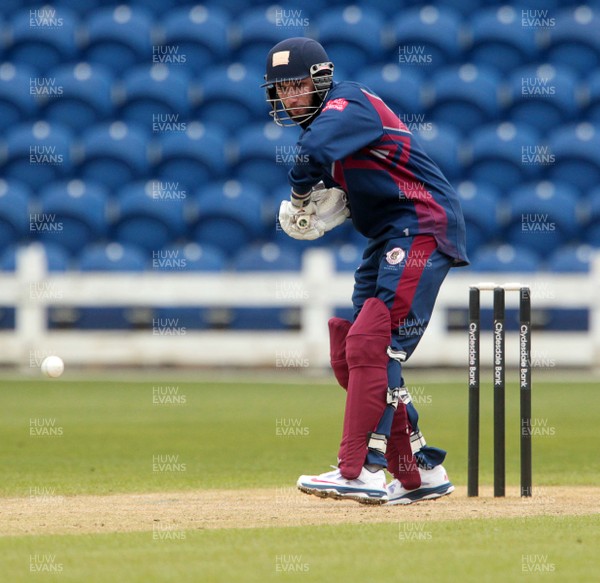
338 330
366 344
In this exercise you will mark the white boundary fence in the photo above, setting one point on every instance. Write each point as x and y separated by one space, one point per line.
316 290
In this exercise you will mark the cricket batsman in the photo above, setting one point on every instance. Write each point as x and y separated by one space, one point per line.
357 159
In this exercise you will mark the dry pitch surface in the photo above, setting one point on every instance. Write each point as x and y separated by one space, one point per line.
273 507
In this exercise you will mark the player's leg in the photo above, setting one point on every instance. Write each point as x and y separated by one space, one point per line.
412 271
401 462
366 344
359 360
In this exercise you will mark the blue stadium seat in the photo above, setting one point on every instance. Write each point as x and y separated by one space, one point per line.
265 153
228 215
231 97
539 8
542 96
575 151
465 97
427 37
299 9
57 257
155 96
505 258
114 154
399 87
10 7
258 30
14 212
17 104
357 239
268 257
118 37
442 143
505 154
8 261
592 221
159 7
197 34
84 7
481 207
110 257
72 214
591 108
191 257
145 219
42 37
571 259
193 157
85 96
233 7
498 40
573 41
351 35
543 216
347 257
465 7
37 153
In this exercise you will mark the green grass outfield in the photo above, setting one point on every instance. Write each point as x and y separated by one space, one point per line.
83 437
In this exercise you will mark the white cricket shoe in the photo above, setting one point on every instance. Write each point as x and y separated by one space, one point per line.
434 484
368 488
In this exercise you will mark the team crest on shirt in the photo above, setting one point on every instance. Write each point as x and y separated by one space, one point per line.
395 256
337 104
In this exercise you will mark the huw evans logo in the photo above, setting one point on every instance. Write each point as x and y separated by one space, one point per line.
290 155
541 155
536 564
289 427
290 359
167 395
290 564
415 122
166 532
168 259
44 564
44 222
537 19
291 18
167 54
414 531
413 55
166 190
45 86
44 17
167 327
44 495
44 427
536 86
47 155
167 122
167 463
44 290
412 327
537 223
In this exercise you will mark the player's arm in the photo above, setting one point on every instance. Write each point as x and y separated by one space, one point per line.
344 126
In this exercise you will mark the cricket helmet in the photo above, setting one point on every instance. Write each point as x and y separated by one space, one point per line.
294 59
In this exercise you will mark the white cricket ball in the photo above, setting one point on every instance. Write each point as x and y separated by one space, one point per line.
53 366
